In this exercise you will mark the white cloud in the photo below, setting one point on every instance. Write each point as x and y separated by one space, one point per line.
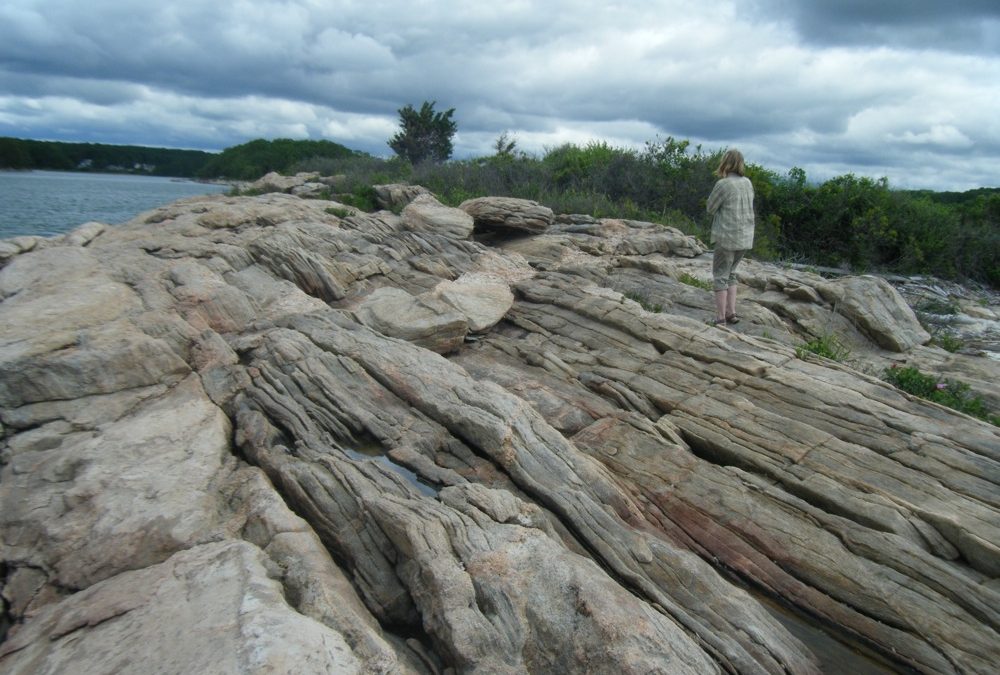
760 75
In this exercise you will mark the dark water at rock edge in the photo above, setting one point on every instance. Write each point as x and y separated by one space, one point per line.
45 203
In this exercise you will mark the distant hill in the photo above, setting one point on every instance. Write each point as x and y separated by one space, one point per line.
16 153
256 158
954 197
243 162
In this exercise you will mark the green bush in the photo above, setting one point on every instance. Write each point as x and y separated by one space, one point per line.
644 301
850 221
955 395
828 345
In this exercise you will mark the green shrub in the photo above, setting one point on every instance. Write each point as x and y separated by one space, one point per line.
934 306
644 301
948 342
339 212
828 345
955 395
686 278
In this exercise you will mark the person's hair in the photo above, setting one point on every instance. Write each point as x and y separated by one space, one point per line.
732 162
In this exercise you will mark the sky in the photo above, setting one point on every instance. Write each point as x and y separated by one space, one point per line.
903 89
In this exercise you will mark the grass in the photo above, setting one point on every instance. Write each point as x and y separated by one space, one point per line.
828 346
954 395
339 212
644 301
686 278
948 342
939 307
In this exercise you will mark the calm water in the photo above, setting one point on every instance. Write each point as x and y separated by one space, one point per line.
52 202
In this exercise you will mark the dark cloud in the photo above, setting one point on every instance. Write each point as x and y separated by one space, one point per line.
825 85
961 25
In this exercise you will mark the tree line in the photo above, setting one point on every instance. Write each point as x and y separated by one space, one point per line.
856 223
16 153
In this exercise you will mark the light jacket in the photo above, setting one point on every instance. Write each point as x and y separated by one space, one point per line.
731 202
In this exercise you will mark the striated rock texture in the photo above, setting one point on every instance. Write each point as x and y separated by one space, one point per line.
243 434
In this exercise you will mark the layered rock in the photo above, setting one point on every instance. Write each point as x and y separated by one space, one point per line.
373 444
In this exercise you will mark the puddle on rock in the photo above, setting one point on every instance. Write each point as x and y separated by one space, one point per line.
834 654
375 453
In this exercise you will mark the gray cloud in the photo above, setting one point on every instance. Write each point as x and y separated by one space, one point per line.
831 87
959 25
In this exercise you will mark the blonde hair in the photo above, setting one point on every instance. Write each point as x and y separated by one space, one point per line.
732 162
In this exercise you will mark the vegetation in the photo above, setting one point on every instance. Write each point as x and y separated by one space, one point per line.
954 395
855 223
16 153
644 301
686 278
829 346
425 135
252 160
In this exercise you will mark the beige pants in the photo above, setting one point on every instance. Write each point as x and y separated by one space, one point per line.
724 264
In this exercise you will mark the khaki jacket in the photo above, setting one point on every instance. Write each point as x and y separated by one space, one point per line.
731 202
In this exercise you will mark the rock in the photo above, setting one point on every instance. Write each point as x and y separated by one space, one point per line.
424 320
394 197
878 309
219 597
17 245
82 235
275 182
508 213
425 213
368 444
482 299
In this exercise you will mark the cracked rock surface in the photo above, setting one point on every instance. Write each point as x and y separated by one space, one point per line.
299 442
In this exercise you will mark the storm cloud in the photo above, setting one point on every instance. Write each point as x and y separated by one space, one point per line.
907 90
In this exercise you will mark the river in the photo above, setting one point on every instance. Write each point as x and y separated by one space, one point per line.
51 202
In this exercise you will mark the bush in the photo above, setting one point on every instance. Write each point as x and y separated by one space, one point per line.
828 346
954 395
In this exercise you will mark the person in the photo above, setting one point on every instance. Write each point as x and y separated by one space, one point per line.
731 205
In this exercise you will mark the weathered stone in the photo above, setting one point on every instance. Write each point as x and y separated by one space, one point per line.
482 299
275 182
425 213
275 420
508 213
210 609
878 309
395 196
83 234
424 320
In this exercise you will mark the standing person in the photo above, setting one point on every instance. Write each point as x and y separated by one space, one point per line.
731 204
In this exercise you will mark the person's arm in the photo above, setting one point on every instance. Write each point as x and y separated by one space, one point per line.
715 199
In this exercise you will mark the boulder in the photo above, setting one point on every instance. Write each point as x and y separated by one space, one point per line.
482 299
276 182
424 320
395 196
426 214
878 309
508 213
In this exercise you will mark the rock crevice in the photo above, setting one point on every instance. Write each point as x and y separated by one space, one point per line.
411 443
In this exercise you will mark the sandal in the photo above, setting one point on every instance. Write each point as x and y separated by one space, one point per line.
717 323
733 318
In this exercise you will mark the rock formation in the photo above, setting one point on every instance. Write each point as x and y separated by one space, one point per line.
244 434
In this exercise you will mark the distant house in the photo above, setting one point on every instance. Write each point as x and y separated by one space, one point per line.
85 164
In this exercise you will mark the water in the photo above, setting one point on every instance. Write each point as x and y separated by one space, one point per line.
52 202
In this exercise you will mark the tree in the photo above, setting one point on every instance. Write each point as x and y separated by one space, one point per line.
425 135
505 145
